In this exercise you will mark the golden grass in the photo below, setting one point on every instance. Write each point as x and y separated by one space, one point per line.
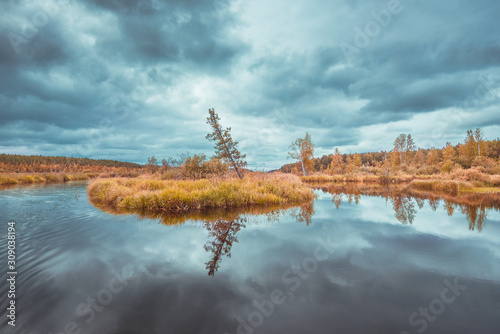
448 186
30 178
484 190
461 180
153 195
361 178
25 178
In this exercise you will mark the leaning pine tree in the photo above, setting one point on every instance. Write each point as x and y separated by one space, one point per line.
224 145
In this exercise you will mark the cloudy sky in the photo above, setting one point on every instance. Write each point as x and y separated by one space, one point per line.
126 79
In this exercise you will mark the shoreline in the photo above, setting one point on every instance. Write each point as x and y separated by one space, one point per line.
49 178
42 178
438 183
463 183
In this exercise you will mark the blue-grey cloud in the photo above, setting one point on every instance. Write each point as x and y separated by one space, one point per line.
128 79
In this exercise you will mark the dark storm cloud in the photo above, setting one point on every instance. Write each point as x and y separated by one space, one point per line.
114 73
170 31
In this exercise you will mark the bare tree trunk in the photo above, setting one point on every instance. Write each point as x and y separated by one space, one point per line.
236 169
303 169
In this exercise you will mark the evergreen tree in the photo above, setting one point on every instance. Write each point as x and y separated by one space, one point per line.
225 146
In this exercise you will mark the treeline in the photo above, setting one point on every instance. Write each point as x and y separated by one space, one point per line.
46 164
475 151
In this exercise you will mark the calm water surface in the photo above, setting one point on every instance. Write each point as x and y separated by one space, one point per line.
349 264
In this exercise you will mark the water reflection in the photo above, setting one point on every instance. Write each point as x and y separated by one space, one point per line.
404 209
405 201
302 212
222 235
69 252
223 224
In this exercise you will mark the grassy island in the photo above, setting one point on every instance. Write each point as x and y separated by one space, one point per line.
156 195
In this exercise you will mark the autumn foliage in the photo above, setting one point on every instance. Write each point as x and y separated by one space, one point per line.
405 160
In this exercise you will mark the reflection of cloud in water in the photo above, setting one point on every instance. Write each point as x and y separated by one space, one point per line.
223 225
222 233
378 269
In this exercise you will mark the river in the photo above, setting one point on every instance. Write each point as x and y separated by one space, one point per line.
353 262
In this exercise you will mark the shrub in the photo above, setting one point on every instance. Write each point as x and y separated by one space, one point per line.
495 170
216 167
447 166
194 168
197 167
428 170
483 162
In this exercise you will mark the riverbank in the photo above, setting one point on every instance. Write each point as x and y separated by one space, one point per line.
456 182
40 178
30 178
156 196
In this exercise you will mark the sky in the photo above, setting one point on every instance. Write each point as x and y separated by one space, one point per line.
126 80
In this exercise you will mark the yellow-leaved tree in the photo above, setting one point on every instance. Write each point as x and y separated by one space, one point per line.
302 150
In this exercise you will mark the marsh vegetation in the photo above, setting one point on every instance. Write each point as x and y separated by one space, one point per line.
156 195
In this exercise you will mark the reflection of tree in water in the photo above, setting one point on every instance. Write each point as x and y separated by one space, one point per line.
420 202
305 213
449 207
434 203
223 234
353 197
337 199
474 206
404 209
223 224
476 215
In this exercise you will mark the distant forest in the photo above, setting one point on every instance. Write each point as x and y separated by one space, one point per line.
475 151
46 164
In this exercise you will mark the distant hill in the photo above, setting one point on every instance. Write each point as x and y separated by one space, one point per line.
45 164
